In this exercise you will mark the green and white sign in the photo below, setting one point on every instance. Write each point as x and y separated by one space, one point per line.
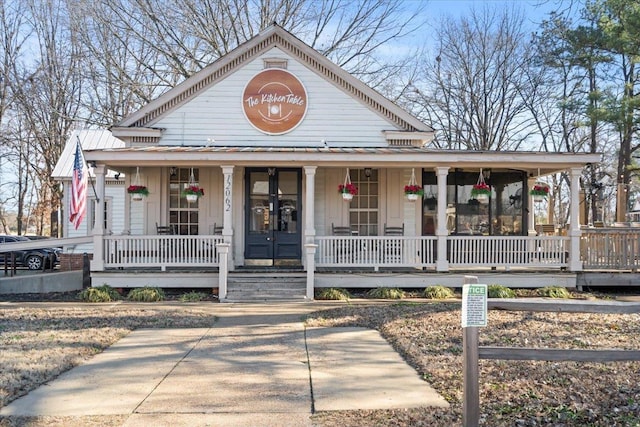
474 305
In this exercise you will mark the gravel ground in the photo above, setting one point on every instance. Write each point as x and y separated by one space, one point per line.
37 344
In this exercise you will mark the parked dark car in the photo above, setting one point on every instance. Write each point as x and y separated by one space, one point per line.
33 259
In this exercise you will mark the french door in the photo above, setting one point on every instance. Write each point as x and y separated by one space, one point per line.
272 216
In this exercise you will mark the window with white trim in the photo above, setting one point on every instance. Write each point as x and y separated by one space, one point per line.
92 214
363 209
183 216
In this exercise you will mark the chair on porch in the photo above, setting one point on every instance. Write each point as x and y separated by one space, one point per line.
546 229
343 248
217 229
392 250
340 230
164 229
393 231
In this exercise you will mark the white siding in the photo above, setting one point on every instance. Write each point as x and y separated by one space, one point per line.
216 114
394 208
115 194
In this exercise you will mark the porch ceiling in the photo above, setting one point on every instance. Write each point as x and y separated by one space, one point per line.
532 162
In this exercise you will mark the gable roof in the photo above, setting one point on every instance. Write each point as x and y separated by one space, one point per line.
273 36
90 139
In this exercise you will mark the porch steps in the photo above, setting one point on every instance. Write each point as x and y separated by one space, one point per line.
261 287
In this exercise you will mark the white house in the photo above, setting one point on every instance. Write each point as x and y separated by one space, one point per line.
270 131
114 190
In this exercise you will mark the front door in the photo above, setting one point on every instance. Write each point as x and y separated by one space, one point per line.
272 216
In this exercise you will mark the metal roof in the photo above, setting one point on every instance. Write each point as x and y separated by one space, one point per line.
90 139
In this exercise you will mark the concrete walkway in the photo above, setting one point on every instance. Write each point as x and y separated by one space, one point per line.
258 365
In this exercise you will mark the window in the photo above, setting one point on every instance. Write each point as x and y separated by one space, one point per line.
504 215
363 209
183 216
92 214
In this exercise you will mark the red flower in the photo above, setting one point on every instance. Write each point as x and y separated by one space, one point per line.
349 188
539 190
481 188
193 189
413 189
138 189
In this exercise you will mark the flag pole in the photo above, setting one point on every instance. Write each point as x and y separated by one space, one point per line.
88 169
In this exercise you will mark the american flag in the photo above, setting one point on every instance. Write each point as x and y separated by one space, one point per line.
78 205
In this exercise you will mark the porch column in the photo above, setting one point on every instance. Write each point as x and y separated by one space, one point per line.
97 264
227 219
223 252
227 216
575 263
531 218
310 251
442 264
309 203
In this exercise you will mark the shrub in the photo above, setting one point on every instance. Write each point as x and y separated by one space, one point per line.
386 293
499 291
438 292
146 294
554 292
104 293
333 294
193 296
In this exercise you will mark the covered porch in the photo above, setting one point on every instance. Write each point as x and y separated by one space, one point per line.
297 205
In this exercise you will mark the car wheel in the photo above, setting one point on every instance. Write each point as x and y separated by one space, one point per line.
34 262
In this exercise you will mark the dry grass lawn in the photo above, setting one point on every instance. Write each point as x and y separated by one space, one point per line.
38 343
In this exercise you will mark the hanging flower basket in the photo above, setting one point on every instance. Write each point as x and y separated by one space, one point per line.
348 191
539 192
413 191
481 192
137 192
193 193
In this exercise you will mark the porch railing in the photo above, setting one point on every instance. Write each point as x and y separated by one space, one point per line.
462 251
161 251
501 251
610 248
375 251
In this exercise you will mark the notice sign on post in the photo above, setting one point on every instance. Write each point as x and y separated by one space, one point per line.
474 305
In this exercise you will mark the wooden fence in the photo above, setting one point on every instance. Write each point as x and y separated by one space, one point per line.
472 352
611 249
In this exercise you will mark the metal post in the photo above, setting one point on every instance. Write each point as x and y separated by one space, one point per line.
86 271
471 402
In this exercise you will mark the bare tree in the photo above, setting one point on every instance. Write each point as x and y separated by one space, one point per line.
190 34
46 92
473 91
97 62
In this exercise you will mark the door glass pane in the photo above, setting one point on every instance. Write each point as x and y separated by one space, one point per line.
288 202
259 202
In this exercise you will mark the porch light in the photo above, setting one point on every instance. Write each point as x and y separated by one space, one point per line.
367 172
173 171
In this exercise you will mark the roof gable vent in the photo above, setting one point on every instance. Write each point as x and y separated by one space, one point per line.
275 63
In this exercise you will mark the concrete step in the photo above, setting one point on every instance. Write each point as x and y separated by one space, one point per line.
261 287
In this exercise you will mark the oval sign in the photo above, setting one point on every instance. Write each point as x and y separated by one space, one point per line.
274 101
